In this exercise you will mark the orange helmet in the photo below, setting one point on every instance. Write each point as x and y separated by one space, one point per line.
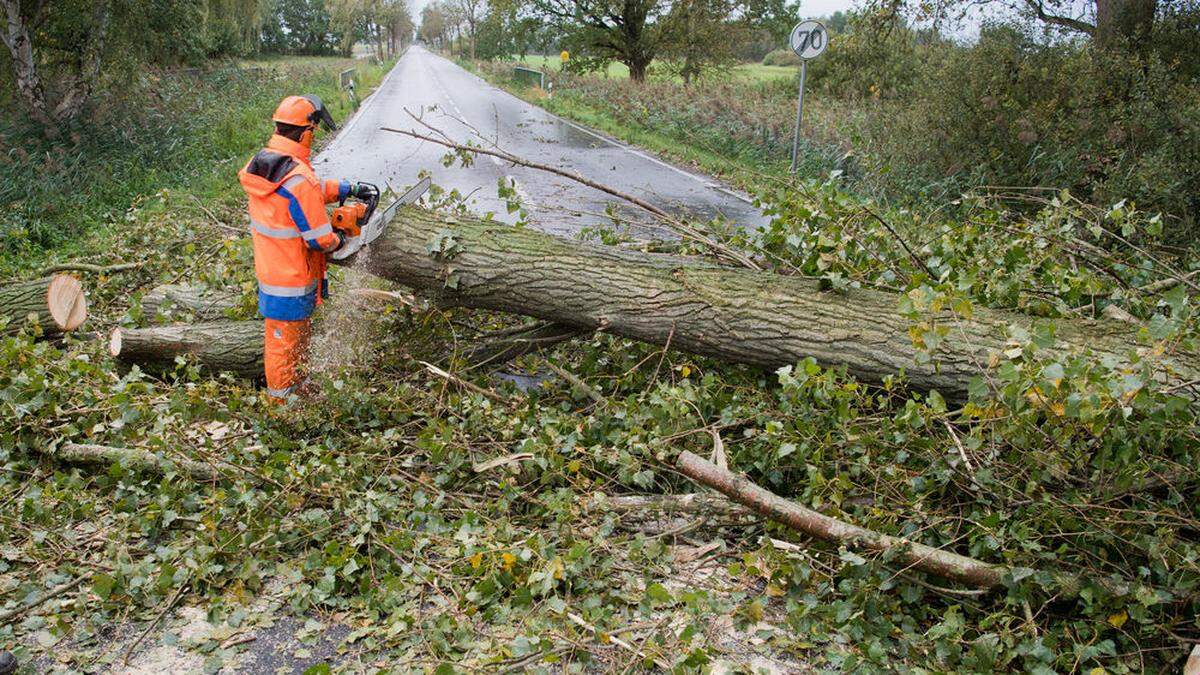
304 111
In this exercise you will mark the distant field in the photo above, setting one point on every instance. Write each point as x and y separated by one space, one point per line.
746 71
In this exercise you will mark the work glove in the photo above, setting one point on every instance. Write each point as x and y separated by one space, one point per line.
364 191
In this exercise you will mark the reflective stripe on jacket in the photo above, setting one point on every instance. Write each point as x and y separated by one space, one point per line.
291 229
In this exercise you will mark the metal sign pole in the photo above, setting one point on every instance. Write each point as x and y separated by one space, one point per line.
809 40
799 115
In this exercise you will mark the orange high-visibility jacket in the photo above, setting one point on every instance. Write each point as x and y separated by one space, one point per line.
291 229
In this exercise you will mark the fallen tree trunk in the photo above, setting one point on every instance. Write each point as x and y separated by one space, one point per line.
234 346
57 301
731 314
205 304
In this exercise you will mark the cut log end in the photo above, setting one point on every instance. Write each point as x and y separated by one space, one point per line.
66 301
114 343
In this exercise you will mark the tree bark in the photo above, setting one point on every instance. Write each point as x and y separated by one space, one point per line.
205 304
57 301
233 346
736 315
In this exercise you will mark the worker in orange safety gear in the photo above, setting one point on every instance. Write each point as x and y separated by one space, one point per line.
292 235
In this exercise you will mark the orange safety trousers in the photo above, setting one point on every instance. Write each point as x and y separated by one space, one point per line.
285 351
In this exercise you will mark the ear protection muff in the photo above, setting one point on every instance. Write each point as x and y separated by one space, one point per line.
320 115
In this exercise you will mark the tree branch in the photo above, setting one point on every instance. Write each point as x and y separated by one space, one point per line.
1065 21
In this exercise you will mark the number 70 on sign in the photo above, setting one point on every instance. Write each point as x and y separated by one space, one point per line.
808 39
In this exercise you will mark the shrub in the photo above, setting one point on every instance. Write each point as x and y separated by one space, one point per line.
1012 110
781 57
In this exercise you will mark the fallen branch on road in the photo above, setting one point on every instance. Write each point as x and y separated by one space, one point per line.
682 228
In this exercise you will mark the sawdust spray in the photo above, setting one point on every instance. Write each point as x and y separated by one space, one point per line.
344 335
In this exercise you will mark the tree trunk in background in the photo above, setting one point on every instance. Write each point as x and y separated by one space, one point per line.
58 303
77 87
736 315
637 70
233 346
1123 19
25 74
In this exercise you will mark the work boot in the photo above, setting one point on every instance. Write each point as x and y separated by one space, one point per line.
8 663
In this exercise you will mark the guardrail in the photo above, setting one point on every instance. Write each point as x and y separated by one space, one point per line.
529 75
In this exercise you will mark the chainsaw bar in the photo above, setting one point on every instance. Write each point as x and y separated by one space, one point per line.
378 222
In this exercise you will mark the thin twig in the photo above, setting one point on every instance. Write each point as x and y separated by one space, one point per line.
578 620
166 608
470 386
88 267
58 590
576 382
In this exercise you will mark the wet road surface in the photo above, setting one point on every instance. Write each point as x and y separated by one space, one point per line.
446 96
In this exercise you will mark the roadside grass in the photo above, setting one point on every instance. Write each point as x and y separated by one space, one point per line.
756 72
181 131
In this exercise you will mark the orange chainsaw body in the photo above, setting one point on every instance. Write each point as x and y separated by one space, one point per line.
349 218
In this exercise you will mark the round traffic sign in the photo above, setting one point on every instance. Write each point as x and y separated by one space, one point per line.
808 39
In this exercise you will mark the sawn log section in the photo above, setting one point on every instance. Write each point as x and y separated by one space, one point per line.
234 346
732 314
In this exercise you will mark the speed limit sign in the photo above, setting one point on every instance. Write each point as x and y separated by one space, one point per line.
809 39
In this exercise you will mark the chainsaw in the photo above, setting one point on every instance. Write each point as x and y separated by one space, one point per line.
362 225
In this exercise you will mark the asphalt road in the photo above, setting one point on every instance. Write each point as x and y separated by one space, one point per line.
450 98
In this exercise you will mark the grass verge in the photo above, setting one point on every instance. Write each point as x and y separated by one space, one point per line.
167 131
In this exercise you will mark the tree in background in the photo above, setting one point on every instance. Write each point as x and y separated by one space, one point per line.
434 25
597 31
703 34
298 27
508 29
59 49
385 23
55 95
470 13
1104 21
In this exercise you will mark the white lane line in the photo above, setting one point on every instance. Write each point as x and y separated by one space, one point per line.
706 182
